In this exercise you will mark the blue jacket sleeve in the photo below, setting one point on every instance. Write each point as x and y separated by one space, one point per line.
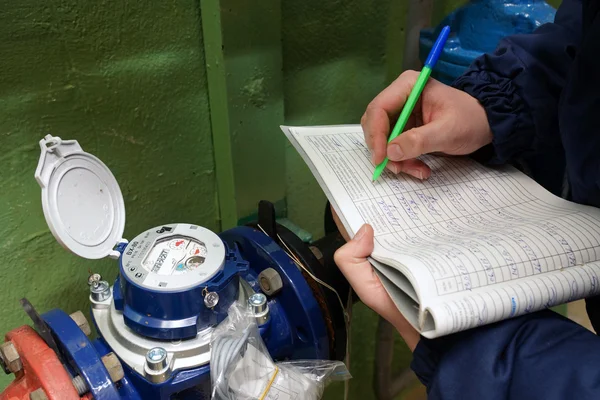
519 84
538 356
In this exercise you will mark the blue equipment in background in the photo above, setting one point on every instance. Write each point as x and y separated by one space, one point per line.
477 27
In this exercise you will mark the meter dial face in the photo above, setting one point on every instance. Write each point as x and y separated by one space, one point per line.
173 257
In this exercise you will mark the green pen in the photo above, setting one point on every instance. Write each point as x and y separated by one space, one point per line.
415 93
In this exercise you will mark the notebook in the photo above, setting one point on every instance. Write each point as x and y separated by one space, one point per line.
470 246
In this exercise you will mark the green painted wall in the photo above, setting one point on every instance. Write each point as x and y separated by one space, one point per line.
334 64
127 79
243 46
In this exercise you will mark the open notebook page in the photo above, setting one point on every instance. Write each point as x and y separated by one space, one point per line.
467 227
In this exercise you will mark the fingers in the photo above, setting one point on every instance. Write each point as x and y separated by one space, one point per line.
355 252
413 167
415 142
376 119
376 127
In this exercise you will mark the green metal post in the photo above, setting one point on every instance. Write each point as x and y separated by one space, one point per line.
219 111
244 65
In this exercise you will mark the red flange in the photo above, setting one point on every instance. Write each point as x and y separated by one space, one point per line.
41 368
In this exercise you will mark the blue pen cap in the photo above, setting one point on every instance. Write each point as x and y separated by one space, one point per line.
437 48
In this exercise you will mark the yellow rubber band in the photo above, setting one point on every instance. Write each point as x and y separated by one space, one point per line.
270 383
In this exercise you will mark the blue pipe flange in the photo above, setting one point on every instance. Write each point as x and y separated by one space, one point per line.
81 355
305 323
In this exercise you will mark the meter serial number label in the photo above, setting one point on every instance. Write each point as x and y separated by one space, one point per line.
160 261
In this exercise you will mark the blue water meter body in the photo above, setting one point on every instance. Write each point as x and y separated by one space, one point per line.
176 280
477 28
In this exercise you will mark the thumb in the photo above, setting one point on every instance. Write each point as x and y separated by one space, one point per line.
356 250
415 142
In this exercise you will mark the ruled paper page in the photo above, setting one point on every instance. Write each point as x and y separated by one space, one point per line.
470 309
466 228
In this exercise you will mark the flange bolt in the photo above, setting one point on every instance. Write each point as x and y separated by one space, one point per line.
156 359
270 282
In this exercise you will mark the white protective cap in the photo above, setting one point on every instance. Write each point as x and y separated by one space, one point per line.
82 201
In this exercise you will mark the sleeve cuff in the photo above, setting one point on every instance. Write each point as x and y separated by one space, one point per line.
510 120
424 362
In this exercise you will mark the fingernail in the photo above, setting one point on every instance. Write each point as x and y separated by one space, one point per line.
394 168
394 152
360 233
417 173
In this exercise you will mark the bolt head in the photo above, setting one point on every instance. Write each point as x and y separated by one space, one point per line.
257 299
257 303
156 359
157 354
211 299
100 291
81 322
93 279
10 357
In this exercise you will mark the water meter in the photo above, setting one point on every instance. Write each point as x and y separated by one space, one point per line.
175 279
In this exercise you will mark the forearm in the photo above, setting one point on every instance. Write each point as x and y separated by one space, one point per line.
409 334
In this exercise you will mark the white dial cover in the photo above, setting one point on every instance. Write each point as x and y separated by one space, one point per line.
173 257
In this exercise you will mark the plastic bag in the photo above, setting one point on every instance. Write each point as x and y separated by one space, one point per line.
242 369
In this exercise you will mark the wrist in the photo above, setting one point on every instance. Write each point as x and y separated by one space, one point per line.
409 334
482 122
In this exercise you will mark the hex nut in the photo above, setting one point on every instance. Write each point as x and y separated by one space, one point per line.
270 281
11 357
39 394
81 322
114 367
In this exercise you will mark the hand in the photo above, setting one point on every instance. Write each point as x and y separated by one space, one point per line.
351 259
445 120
